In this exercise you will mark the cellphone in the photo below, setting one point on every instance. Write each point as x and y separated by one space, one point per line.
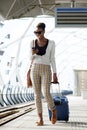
33 48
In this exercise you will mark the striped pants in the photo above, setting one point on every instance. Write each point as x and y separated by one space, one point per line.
41 78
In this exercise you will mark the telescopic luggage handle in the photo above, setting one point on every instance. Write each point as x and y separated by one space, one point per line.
58 88
55 82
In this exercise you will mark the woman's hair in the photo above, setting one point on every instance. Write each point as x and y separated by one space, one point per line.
41 25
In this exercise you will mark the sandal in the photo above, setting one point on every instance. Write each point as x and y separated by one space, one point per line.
54 117
39 123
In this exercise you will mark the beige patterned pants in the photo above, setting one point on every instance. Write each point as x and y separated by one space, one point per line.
41 78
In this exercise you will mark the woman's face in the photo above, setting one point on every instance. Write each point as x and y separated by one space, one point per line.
39 32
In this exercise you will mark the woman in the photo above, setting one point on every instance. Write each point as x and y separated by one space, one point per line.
43 52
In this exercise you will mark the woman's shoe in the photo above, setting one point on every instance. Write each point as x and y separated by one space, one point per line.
54 117
39 123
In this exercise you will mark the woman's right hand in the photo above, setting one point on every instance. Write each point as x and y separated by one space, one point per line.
34 51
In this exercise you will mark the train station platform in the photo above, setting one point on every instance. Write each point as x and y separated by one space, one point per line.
77 118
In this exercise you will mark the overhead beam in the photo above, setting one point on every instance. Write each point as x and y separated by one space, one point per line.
1 18
10 9
68 1
42 10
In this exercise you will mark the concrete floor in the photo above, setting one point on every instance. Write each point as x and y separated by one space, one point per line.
77 118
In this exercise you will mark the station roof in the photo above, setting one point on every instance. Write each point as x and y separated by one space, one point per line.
12 9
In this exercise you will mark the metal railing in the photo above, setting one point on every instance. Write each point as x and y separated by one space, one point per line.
11 95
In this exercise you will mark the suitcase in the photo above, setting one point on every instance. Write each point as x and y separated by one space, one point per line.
62 107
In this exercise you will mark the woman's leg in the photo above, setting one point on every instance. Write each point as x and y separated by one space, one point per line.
46 82
36 81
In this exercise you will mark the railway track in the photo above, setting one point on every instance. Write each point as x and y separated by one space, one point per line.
9 113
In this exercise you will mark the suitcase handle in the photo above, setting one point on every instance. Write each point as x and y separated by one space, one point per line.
59 88
55 82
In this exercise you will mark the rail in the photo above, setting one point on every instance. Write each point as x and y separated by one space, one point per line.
11 112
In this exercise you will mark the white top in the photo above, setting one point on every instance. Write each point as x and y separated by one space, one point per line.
48 58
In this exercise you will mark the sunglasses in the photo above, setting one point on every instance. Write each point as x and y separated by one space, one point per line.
39 32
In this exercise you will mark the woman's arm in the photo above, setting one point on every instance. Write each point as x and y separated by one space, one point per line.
53 63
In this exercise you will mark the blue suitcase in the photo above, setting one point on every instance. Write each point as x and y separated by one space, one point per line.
62 108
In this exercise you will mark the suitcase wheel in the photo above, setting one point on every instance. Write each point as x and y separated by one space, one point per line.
67 118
